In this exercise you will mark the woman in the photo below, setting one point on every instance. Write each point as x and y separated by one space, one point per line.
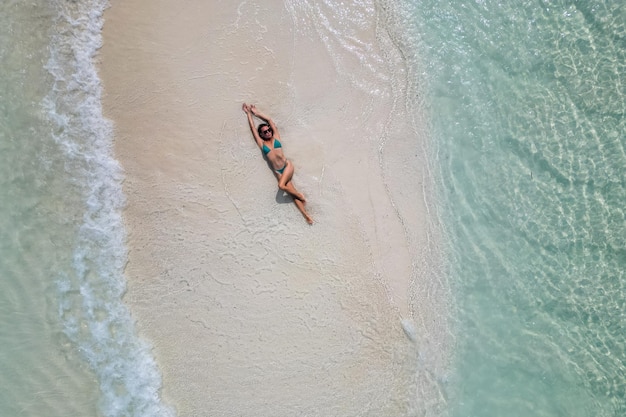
268 139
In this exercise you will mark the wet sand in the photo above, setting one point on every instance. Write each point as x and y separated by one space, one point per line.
250 311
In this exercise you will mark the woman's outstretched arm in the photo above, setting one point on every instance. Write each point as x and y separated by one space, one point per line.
247 109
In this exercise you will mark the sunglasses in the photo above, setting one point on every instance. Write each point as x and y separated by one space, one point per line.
263 132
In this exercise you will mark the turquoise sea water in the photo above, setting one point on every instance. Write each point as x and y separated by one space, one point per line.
527 106
527 101
67 344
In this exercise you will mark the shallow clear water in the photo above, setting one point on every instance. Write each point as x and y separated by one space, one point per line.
68 345
527 101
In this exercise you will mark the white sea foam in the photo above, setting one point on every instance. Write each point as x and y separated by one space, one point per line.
90 305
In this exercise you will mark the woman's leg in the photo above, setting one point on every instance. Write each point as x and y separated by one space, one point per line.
302 209
289 188
284 183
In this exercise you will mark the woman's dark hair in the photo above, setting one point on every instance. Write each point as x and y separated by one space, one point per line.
261 126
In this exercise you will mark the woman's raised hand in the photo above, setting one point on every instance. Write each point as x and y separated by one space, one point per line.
245 108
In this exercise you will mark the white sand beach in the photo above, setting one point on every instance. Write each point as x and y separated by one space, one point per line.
251 311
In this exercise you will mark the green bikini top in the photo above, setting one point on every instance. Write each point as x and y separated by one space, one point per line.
267 150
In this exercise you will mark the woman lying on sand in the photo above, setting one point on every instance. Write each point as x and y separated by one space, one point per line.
268 139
